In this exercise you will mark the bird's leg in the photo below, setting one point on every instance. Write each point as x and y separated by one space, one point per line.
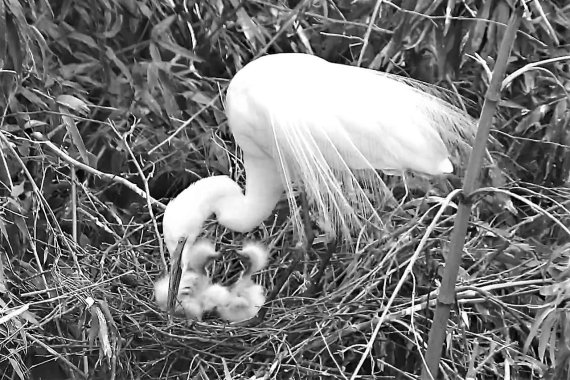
407 191
306 217
324 260
297 253
307 227
175 275
296 259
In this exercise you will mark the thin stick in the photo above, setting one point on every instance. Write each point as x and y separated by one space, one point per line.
369 31
74 218
446 297
73 205
402 281
148 197
39 194
59 356
186 123
64 156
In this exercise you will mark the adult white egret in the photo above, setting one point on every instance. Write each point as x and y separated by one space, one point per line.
326 127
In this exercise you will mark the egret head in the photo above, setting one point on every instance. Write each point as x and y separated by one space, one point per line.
185 214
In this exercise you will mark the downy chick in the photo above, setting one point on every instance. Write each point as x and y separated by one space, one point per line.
196 294
245 297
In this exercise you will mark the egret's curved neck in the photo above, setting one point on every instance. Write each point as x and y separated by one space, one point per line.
185 214
242 213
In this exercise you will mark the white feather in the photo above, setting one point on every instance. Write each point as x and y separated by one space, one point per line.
327 128
185 214
321 122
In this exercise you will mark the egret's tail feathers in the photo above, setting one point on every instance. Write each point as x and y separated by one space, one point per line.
334 125
442 109
343 123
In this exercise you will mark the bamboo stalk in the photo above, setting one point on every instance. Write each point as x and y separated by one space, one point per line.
446 297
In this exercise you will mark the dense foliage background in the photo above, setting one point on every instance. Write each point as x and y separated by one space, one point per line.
104 103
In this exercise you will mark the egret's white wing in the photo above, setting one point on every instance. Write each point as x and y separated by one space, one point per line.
321 121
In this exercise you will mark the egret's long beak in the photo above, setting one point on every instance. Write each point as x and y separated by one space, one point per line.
175 275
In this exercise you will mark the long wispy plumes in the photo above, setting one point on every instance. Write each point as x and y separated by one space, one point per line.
332 145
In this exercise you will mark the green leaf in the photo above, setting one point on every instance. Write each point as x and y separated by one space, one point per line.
14 46
3 33
73 103
70 102
15 7
161 29
16 365
87 40
32 97
124 69
545 334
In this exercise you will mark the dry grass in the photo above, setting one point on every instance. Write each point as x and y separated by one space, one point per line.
81 252
103 308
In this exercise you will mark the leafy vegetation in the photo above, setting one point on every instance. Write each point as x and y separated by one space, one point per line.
109 108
